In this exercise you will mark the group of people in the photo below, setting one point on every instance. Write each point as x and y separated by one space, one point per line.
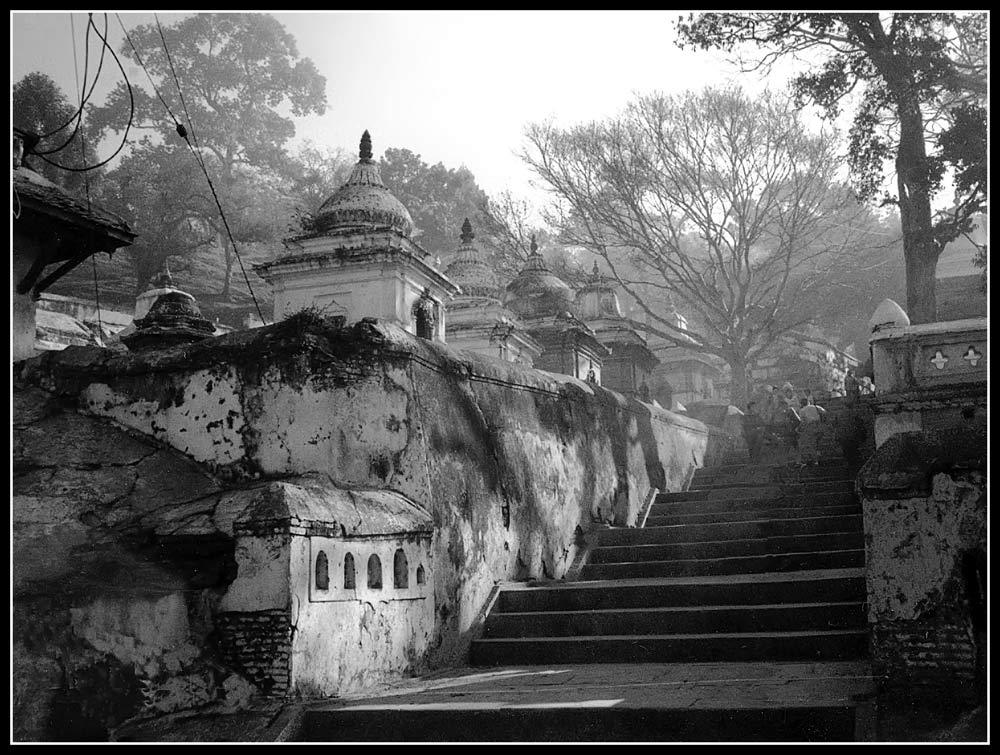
783 418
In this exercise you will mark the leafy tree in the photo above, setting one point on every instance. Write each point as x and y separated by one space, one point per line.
720 205
314 173
143 189
922 84
237 73
41 107
438 198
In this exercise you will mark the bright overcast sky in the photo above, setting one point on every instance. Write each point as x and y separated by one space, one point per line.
454 87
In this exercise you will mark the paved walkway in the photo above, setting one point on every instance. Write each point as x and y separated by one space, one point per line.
660 685
606 702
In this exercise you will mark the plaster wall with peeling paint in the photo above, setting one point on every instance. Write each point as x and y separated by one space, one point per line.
924 499
509 465
339 630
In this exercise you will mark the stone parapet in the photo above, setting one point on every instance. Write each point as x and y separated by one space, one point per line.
929 376
933 355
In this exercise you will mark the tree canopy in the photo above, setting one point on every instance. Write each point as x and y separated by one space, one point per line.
39 106
920 80
231 80
717 205
438 198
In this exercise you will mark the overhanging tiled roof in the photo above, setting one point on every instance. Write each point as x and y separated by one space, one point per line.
36 192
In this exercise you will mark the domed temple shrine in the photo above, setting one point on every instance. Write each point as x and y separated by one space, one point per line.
359 261
630 362
544 302
477 319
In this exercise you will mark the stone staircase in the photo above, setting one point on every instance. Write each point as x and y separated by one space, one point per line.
752 565
735 613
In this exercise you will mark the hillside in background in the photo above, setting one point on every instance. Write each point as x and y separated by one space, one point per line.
200 274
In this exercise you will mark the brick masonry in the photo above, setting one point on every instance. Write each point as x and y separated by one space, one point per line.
934 653
258 643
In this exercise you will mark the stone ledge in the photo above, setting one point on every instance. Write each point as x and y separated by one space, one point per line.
904 466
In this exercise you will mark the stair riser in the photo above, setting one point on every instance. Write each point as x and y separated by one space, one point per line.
702 478
579 724
741 565
694 621
650 596
715 484
657 519
761 491
707 649
702 505
726 548
700 533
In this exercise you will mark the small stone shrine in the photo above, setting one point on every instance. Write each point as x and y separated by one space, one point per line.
477 319
359 261
544 302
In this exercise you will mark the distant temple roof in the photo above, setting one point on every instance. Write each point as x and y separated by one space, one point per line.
363 202
598 298
537 291
470 270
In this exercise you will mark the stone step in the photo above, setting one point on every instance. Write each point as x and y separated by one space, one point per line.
698 504
743 483
762 476
780 562
659 518
834 585
677 620
813 645
752 492
723 548
584 721
825 462
693 533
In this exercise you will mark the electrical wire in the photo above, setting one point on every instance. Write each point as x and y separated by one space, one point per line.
142 65
75 115
177 83
83 147
197 153
131 114
78 116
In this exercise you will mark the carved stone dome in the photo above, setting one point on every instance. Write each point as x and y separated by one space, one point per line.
598 299
469 269
537 291
364 202
174 319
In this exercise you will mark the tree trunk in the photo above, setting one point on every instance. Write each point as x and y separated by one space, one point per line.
739 391
920 250
228 256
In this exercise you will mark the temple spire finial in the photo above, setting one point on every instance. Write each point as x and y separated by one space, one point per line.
467 234
164 279
596 274
534 245
366 146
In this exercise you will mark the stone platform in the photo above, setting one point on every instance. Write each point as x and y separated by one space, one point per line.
608 702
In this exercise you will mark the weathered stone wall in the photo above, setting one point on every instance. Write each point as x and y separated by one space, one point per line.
109 622
511 464
924 500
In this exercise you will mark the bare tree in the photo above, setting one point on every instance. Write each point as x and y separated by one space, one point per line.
919 81
718 204
508 227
